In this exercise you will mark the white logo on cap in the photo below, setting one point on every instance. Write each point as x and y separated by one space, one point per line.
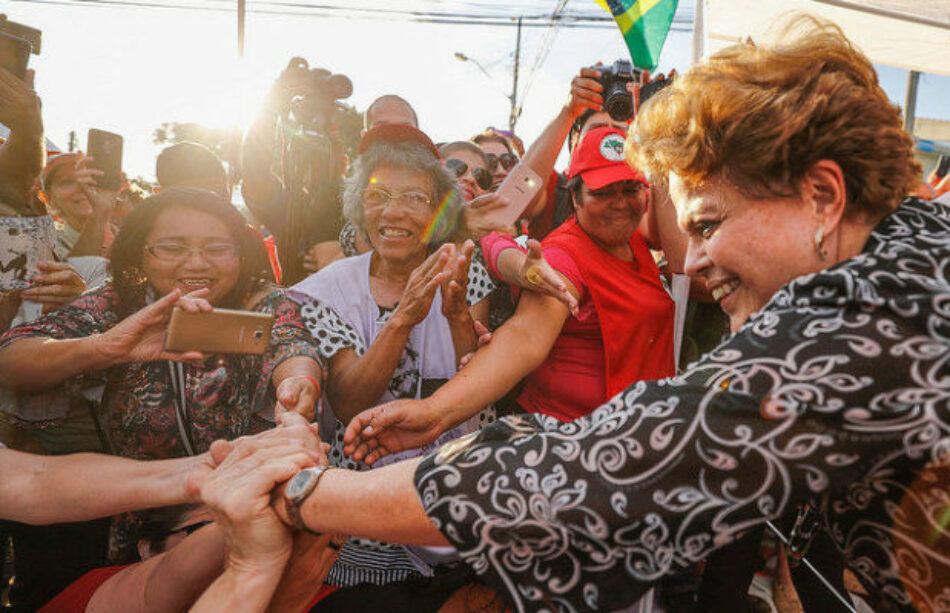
611 147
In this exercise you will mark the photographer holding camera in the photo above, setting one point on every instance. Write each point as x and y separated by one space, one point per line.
295 190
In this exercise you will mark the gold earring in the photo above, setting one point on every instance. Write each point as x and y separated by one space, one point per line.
819 239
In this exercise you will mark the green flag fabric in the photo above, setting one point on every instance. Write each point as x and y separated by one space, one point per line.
644 25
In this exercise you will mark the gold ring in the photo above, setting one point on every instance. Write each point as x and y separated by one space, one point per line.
533 276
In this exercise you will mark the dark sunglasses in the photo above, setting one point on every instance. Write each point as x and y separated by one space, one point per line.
482 177
507 161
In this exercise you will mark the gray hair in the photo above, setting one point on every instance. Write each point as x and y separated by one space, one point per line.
446 203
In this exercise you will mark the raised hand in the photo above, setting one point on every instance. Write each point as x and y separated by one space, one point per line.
140 337
585 92
454 289
538 276
56 286
390 428
420 289
481 213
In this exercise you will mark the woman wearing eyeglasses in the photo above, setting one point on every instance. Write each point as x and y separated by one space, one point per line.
188 248
393 322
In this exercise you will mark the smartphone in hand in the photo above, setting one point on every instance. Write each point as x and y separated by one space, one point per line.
943 166
520 187
105 148
219 331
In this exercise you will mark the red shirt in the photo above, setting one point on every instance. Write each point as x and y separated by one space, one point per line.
624 302
76 597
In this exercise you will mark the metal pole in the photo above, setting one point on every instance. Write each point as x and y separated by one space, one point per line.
910 103
242 10
513 116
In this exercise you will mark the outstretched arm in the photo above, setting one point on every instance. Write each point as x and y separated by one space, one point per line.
518 347
379 504
53 489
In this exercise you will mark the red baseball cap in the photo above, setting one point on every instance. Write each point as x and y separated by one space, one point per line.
599 159
396 133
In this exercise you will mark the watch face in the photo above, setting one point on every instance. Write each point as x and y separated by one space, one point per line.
298 484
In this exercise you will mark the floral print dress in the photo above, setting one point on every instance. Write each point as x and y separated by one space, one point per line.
137 413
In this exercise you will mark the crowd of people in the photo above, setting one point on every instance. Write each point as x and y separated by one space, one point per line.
456 413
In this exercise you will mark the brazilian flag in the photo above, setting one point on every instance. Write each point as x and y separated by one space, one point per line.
644 24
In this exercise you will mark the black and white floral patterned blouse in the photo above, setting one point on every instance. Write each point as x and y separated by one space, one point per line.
836 392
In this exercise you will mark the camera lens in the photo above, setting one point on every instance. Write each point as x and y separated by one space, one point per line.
258 334
619 105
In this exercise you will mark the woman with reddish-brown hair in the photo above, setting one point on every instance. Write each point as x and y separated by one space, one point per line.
790 173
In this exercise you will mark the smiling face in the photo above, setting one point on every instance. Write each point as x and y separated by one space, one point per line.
396 228
470 188
66 196
745 249
611 214
181 227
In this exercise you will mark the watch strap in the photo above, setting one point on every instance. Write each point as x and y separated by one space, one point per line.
293 505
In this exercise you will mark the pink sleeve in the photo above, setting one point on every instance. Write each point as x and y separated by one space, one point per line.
562 262
492 245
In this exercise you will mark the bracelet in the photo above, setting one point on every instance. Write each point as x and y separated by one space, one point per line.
316 384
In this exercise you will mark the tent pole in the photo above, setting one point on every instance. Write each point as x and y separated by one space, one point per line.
910 103
241 12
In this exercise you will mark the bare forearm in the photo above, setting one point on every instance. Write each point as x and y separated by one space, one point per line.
35 364
464 340
360 384
379 504
171 581
85 486
260 187
21 158
542 155
297 366
235 590
509 264
92 238
305 572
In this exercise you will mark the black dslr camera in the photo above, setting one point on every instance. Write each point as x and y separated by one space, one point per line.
618 103
315 106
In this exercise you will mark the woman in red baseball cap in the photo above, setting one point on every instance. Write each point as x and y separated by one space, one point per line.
621 332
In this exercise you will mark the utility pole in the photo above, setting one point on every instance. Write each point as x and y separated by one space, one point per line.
515 111
72 141
910 102
242 11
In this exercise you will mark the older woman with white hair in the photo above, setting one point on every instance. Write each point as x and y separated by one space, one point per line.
394 322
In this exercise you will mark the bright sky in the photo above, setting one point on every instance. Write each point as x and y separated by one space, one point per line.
129 69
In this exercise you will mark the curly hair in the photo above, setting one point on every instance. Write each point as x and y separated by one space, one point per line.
759 117
129 246
414 157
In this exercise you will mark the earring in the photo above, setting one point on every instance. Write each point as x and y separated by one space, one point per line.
819 239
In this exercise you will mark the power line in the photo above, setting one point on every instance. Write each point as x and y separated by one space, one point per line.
340 12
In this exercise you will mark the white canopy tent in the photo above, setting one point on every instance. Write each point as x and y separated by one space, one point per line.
909 34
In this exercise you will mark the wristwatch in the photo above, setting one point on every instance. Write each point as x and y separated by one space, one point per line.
298 489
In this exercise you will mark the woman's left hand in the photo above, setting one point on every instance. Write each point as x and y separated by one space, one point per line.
56 286
297 394
455 286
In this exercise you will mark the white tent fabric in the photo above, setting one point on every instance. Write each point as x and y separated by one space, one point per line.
910 34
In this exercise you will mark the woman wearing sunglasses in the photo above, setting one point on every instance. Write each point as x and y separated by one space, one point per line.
501 157
469 164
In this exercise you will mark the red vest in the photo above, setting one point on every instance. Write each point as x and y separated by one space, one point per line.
635 311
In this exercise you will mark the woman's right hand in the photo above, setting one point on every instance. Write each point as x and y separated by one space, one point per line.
420 289
537 275
392 427
140 337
